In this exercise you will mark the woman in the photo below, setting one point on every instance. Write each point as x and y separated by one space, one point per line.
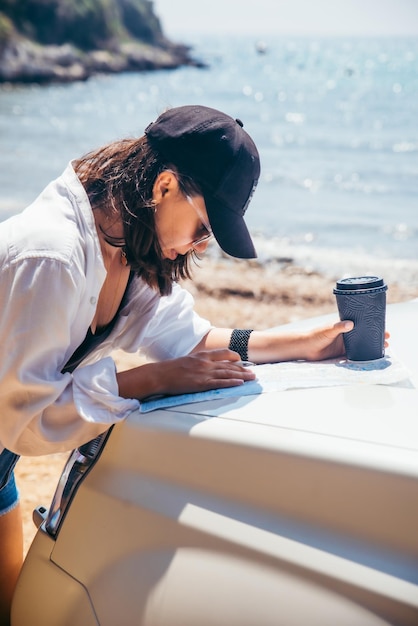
93 264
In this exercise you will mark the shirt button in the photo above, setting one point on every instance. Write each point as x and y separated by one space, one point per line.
93 300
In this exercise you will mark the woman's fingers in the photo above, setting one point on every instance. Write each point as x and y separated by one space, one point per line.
202 371
344 326
329 340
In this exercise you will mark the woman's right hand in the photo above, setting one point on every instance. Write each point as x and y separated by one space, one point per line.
199 371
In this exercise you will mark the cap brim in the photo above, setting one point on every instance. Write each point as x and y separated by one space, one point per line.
230 230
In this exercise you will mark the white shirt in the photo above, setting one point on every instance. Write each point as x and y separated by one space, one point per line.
51 273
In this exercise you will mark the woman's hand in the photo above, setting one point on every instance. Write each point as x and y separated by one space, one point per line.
328 342
314 345
199 371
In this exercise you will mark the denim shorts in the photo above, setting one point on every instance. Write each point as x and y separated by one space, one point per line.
9 495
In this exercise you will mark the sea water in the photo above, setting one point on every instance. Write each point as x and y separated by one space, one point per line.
335 121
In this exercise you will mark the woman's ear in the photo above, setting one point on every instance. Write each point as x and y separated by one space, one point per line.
165 183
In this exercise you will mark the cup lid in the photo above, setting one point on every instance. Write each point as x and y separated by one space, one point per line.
360 282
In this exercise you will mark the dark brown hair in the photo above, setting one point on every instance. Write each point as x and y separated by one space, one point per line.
119 180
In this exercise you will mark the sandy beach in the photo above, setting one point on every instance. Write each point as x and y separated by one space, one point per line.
232 294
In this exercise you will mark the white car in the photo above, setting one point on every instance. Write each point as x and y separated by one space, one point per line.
294 508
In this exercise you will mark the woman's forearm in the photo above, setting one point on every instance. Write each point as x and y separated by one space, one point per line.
139 382
268 346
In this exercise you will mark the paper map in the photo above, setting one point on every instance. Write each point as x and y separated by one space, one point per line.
294 375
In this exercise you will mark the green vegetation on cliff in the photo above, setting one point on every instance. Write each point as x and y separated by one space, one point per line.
88 24
46 40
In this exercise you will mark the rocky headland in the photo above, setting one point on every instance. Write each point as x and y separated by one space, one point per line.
65 40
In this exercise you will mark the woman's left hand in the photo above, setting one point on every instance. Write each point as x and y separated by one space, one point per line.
327 342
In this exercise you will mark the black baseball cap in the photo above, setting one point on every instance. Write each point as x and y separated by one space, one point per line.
215 151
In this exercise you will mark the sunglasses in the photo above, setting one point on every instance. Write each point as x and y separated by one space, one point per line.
209 233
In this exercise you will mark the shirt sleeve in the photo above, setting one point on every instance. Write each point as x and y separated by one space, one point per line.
43 410
175 328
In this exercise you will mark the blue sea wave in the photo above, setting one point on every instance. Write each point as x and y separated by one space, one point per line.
334 120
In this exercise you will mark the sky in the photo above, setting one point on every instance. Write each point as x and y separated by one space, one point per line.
293 17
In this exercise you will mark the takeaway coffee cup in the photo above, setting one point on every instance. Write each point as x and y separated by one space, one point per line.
363 300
